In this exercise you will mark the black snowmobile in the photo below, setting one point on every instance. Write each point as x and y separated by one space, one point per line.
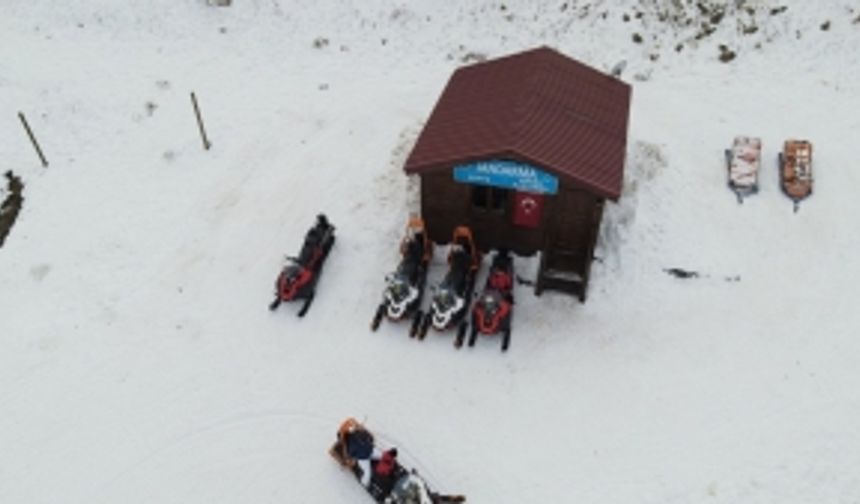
493 310
451 298
298 279
405 287
381 474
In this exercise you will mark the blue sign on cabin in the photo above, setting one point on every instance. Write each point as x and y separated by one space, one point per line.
507 174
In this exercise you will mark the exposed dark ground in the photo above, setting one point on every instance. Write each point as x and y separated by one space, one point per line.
11 205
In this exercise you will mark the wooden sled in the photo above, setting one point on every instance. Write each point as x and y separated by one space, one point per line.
743 162
795 170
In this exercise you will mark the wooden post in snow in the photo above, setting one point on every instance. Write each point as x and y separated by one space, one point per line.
33 139
206 143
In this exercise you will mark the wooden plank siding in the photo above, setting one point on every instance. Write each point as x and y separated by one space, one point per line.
446 204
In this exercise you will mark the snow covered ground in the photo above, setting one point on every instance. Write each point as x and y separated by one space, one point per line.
138 362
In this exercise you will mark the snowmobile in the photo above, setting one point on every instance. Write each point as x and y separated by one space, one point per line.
493 311
451 298
379 472
405 287
299 277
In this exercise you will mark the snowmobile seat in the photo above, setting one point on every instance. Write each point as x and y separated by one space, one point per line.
500 280
412 258
416 242
463 241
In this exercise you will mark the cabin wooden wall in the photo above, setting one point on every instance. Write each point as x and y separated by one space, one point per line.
569 221
572 228
443 204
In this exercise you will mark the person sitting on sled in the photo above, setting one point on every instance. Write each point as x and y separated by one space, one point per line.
386 464
385 473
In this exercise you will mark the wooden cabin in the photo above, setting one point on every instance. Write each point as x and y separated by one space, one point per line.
525 150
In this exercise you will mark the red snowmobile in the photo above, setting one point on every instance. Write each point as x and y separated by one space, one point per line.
493 311
405 287
298 279
452 297
379 471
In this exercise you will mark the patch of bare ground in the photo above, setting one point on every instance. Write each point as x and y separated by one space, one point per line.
11 205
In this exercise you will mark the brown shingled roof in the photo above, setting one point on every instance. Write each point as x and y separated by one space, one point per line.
539 107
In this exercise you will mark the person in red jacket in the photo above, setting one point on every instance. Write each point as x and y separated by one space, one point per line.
387 463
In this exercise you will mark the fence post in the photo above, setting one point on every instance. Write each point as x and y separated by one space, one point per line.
206 143
33 139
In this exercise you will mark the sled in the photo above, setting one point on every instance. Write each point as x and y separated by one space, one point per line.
743 161
299 277
493 311
451 298
795 170
356 450
404 288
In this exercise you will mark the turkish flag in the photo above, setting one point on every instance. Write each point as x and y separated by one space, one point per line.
528 208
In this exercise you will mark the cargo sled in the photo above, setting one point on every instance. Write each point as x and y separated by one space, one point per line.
795 170
379 471
743 161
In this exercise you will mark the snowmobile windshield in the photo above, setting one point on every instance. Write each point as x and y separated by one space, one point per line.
490 303
291 272
399 289
445 300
